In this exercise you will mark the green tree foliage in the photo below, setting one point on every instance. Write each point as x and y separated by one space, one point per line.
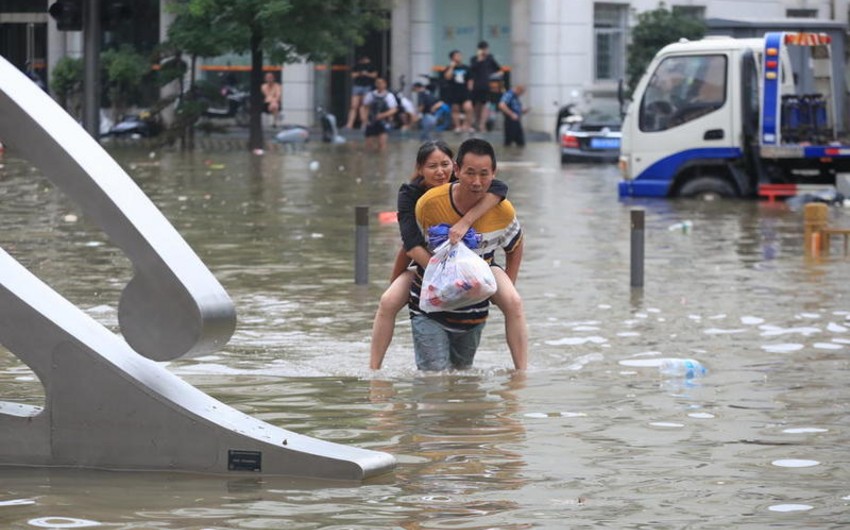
66 81
654 30
285 31
124 69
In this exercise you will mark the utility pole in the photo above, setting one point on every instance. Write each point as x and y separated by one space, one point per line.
85 16
91 65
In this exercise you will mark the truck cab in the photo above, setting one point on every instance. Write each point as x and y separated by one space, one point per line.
713 118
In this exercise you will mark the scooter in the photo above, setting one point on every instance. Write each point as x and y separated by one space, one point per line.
236 101
296 134
292 134
142 125
330 133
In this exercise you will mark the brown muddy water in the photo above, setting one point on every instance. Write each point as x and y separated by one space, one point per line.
593 435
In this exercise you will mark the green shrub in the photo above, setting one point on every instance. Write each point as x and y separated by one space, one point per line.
67 83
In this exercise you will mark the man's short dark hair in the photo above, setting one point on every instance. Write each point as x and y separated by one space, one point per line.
483 45
476 146
451 53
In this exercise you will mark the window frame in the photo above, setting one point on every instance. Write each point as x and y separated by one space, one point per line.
682 103
610 21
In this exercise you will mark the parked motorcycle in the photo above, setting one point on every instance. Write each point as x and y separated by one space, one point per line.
292 134
141 125
330 132
236 106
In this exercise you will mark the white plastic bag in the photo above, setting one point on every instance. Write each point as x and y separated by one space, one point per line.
455 277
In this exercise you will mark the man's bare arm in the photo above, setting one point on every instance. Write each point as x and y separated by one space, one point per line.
513 261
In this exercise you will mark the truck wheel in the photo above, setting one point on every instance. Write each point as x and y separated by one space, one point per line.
707 189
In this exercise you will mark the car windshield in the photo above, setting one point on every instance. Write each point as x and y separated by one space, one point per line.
682 89
603 113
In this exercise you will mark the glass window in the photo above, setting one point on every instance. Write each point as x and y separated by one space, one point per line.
609 29
697 12
801 13
682 89
460 25
23 6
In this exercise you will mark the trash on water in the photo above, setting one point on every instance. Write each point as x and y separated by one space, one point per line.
684 226
687 368
387 217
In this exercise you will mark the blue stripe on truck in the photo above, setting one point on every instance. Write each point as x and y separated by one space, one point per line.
655 181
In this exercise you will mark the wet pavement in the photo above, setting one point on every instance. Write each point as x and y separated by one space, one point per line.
594 434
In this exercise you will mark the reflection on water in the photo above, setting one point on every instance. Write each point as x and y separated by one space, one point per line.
592 435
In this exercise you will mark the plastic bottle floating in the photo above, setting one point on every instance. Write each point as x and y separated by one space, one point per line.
684 227
686 368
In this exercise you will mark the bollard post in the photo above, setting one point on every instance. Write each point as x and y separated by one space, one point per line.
361 248
815 217
637 253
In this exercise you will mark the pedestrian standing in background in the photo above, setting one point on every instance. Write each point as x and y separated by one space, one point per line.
482 69
380 106
512 108
457 93
272 93
363 75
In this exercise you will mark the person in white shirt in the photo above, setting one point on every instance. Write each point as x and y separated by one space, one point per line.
382 105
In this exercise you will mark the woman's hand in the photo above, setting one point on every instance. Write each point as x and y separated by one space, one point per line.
458 230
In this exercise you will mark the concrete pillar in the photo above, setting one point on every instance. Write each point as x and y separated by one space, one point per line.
412 42
543 59
166 18
400 42
560 37
422 39
520 42
299 101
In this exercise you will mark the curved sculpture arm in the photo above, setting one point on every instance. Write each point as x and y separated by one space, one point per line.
173 306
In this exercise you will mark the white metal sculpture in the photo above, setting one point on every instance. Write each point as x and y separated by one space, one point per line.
107 406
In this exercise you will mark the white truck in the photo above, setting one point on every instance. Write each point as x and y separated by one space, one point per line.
725 117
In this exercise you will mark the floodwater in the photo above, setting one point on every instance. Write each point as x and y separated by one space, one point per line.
592 435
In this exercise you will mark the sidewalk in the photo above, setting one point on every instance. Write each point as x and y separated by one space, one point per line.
496 136
235 138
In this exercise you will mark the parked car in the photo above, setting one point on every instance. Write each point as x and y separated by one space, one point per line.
593 136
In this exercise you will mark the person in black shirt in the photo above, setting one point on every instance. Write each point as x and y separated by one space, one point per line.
457 93
363 75
482 69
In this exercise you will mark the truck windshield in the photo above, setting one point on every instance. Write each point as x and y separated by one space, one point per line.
683 89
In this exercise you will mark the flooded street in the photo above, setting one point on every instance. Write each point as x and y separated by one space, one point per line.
592 435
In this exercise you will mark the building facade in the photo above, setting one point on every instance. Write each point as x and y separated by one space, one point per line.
564 51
